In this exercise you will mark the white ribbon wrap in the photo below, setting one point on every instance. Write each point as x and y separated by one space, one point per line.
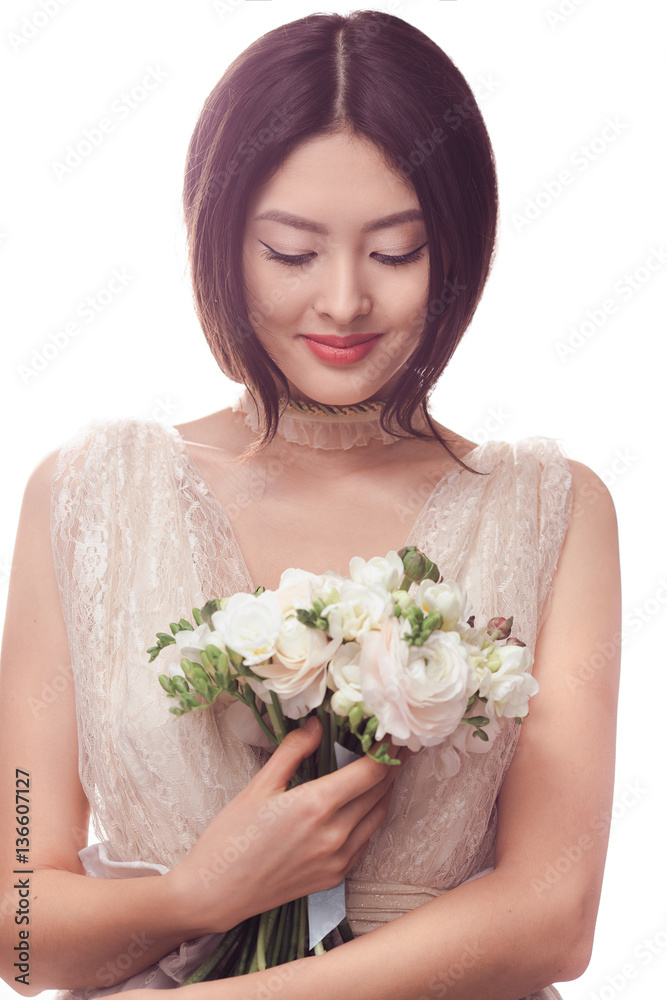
326 908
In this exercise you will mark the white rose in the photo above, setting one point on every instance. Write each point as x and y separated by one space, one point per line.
249 625
447 598
359 608
508 688
296 589
418 693
297 669
387 572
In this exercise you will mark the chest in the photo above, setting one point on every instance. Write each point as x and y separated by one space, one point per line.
319 524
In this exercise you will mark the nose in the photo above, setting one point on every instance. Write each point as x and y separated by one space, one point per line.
341 294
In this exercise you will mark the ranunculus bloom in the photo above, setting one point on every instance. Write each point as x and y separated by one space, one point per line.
417 693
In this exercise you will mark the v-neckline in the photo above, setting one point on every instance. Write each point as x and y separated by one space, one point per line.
206 490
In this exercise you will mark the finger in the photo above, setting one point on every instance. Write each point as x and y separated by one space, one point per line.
290 752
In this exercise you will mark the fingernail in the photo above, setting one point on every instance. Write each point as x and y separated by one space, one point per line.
312 724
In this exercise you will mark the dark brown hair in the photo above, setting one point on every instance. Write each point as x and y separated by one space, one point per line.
380 78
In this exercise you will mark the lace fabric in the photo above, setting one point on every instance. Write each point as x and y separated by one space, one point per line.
139 539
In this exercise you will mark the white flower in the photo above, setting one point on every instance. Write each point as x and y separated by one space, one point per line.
296 589
344 679
191 643
508 688
249 625
297 669
359 608
450 600
417 693
447 758
387 572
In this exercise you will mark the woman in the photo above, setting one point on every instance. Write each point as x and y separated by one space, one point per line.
339 184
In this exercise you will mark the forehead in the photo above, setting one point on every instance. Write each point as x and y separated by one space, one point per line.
335 181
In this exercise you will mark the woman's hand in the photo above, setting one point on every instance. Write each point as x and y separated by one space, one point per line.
272 844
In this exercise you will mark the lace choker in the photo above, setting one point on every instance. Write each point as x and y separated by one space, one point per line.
322 425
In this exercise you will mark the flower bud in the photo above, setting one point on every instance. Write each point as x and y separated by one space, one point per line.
355 715
499 628
403 599
414 563
167 683
512 641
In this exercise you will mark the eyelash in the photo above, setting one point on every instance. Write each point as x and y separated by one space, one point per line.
301 259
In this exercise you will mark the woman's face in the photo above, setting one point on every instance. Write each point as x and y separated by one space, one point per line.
345 268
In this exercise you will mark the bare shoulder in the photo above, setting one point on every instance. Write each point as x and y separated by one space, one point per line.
592 503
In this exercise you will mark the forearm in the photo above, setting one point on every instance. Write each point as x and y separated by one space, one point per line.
94 932
490 939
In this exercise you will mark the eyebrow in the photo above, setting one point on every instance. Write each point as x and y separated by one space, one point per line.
287 219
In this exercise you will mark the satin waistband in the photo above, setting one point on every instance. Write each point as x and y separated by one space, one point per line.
370 904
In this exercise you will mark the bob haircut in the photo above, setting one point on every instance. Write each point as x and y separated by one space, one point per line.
318 76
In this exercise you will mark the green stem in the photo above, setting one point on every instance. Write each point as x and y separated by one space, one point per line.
285 944
333 736
303 923
275 952
228 941
241 969
276 719
324 749
266 925
346 931
253 705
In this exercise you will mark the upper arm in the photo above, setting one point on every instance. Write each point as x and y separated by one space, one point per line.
38 731
554 807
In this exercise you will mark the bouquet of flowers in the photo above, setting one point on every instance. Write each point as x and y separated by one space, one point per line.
370 660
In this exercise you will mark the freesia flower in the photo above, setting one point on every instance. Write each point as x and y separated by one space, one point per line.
359 609
505 681
249 625
387 572
447 598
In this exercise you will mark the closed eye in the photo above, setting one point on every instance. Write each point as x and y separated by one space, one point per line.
298 260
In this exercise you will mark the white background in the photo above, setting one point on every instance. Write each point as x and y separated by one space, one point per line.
547 85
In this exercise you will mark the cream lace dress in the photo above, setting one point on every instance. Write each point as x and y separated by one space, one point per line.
139 539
